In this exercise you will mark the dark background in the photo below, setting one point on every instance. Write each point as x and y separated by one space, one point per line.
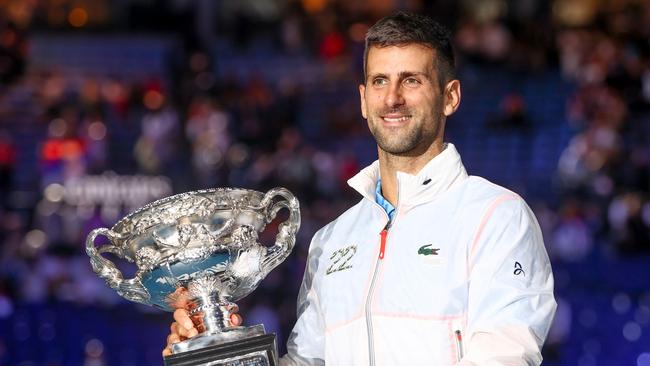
107 105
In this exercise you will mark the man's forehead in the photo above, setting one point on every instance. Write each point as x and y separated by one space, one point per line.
401 57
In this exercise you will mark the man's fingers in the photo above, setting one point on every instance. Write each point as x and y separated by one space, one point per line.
185 333
236 319
181 333
197 319
173 338
177 330
233 308
183 318
180 298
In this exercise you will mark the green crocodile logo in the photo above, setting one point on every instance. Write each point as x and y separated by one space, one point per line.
426 250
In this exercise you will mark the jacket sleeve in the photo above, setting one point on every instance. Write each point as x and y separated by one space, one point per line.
306 344
510 303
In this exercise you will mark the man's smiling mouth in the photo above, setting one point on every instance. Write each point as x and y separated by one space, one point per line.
395 119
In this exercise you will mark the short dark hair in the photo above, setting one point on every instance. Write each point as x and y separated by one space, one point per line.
404 28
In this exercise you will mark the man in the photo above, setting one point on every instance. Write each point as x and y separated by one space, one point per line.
432 266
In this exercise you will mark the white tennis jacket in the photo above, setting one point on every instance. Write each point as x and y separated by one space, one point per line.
461 277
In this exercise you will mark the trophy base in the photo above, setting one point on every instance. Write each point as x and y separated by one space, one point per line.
244 346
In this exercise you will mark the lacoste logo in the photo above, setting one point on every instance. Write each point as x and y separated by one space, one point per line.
426 250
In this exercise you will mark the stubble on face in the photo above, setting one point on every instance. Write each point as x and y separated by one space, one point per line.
410 140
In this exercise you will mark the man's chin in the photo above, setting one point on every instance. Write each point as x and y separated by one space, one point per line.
395 149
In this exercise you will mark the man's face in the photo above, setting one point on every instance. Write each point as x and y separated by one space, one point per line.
402 100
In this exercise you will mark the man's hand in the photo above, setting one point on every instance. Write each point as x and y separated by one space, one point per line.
181 329
185 327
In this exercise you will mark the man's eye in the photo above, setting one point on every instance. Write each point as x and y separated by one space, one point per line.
411 81
379 81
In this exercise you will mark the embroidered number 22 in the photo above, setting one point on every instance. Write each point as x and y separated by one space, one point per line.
341 258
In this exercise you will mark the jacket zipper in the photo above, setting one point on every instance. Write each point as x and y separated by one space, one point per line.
459 344
382 250
382 247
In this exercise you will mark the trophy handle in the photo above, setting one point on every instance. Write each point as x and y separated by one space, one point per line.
131 289
286 237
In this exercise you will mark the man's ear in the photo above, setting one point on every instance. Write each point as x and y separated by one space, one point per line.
451 97
362 94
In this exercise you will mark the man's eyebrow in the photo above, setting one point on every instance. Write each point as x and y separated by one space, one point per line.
377 75
405 74
400 75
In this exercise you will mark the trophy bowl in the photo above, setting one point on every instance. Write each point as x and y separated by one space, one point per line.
198 250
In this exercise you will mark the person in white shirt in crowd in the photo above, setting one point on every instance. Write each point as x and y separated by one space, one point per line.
432 266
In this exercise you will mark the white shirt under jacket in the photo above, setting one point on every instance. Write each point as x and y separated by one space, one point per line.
465 279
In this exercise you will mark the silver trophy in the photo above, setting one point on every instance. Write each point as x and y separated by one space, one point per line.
200 250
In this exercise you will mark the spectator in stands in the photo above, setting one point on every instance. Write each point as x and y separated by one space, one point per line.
512 114
157 146
7 160
629 220
208 130
13 46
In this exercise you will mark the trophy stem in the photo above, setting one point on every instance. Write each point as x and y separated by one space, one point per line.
215 313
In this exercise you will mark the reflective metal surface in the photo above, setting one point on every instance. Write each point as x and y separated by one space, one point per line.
197 250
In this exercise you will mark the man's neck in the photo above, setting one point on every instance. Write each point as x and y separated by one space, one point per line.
390 164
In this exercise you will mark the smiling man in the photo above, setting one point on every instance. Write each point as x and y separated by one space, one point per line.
432 266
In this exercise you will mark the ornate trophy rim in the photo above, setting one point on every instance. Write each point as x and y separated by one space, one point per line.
176 236
151 205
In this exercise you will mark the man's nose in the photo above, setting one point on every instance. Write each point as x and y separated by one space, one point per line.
394 97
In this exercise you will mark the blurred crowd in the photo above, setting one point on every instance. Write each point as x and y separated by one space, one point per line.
198 127
605 168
